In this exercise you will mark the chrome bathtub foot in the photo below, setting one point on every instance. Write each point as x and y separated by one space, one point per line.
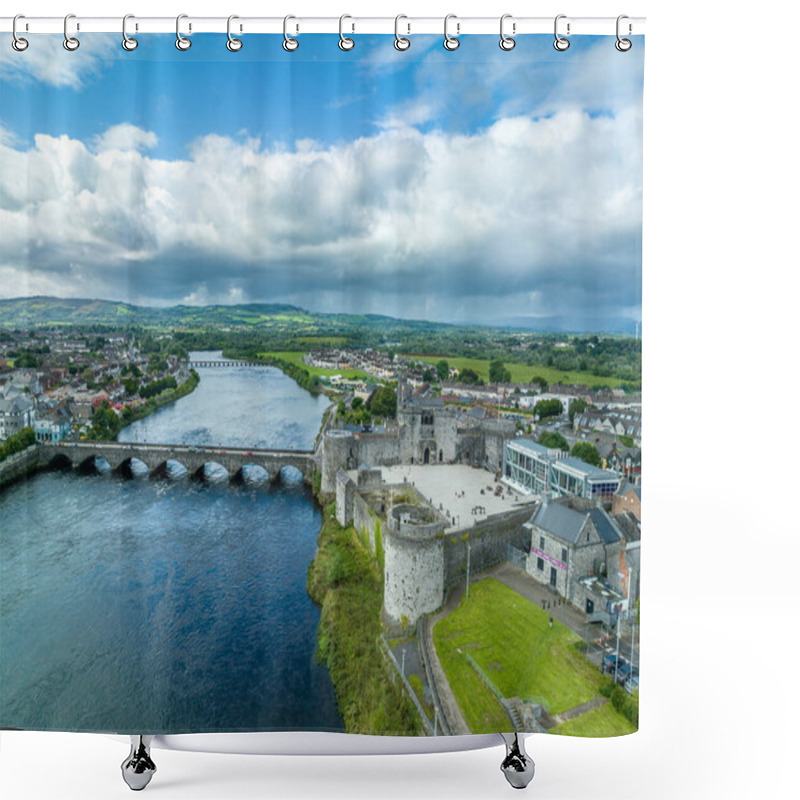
138 768
517 766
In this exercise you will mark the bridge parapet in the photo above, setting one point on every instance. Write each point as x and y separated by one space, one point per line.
155 457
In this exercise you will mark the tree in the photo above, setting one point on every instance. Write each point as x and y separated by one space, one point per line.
548 408
442 370
468 375
577 406
587 452
341 409
543 384
384 402
358 402
498 373
553 440
429 376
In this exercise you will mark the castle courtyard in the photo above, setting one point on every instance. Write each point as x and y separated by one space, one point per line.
456 490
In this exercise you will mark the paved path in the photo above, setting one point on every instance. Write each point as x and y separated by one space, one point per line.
450 707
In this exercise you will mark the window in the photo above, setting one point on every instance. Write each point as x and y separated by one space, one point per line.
540 564
564 554
541 542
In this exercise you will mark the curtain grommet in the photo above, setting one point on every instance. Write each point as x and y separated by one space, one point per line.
401 43
561 43
70 43
507 43
450 42
181 42
19 43
290 44
128 42
233 44
623 45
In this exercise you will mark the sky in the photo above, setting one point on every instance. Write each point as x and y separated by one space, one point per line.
474 186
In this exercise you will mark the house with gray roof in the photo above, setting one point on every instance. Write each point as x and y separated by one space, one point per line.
17 411
580 552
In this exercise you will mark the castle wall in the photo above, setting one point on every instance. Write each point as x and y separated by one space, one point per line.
364 519
344 498
488 543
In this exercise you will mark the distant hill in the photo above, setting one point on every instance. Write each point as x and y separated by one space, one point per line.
27 312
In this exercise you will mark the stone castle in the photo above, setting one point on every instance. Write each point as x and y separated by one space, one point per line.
426 432
421 556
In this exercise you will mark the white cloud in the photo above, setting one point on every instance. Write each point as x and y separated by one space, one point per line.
125 137
530 216
46 61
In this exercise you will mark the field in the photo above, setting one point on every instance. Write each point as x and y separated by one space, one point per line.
511 640
296 357
522 373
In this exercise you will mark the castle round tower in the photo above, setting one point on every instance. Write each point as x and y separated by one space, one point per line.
413 564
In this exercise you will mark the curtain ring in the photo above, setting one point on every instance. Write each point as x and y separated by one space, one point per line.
289 43
345 43
450 42
18 43
400 42
70 42
233 44
181 42
506 42
623 45
561 44
128 42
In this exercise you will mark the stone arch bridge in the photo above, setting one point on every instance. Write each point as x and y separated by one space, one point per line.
193 458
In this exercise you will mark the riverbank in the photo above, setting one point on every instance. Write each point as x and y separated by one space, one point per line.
108 426
27 462
304 378
345 580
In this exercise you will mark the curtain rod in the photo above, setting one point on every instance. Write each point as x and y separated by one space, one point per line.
299 25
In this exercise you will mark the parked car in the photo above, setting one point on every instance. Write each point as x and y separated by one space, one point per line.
632 682
623 672
611 664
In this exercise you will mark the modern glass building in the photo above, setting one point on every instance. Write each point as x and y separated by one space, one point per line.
532 468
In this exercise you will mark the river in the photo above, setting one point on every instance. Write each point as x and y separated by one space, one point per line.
169 606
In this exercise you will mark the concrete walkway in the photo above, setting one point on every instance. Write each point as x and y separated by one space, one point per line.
450 707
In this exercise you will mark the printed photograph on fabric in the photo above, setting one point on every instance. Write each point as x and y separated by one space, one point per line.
320 403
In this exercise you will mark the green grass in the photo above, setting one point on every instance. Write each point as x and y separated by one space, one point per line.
296 357
346 581
522 373
602 721
511 640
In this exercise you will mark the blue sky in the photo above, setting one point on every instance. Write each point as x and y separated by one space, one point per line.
472 186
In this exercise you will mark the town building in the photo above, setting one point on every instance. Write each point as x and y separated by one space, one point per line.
533 468
585 555
628 498
17 411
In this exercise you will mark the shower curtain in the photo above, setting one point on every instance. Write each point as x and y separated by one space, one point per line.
321 384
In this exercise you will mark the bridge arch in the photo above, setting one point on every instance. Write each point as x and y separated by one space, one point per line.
132 468
212 472
59 462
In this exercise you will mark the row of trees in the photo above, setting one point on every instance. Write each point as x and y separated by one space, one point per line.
17 442
157 386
